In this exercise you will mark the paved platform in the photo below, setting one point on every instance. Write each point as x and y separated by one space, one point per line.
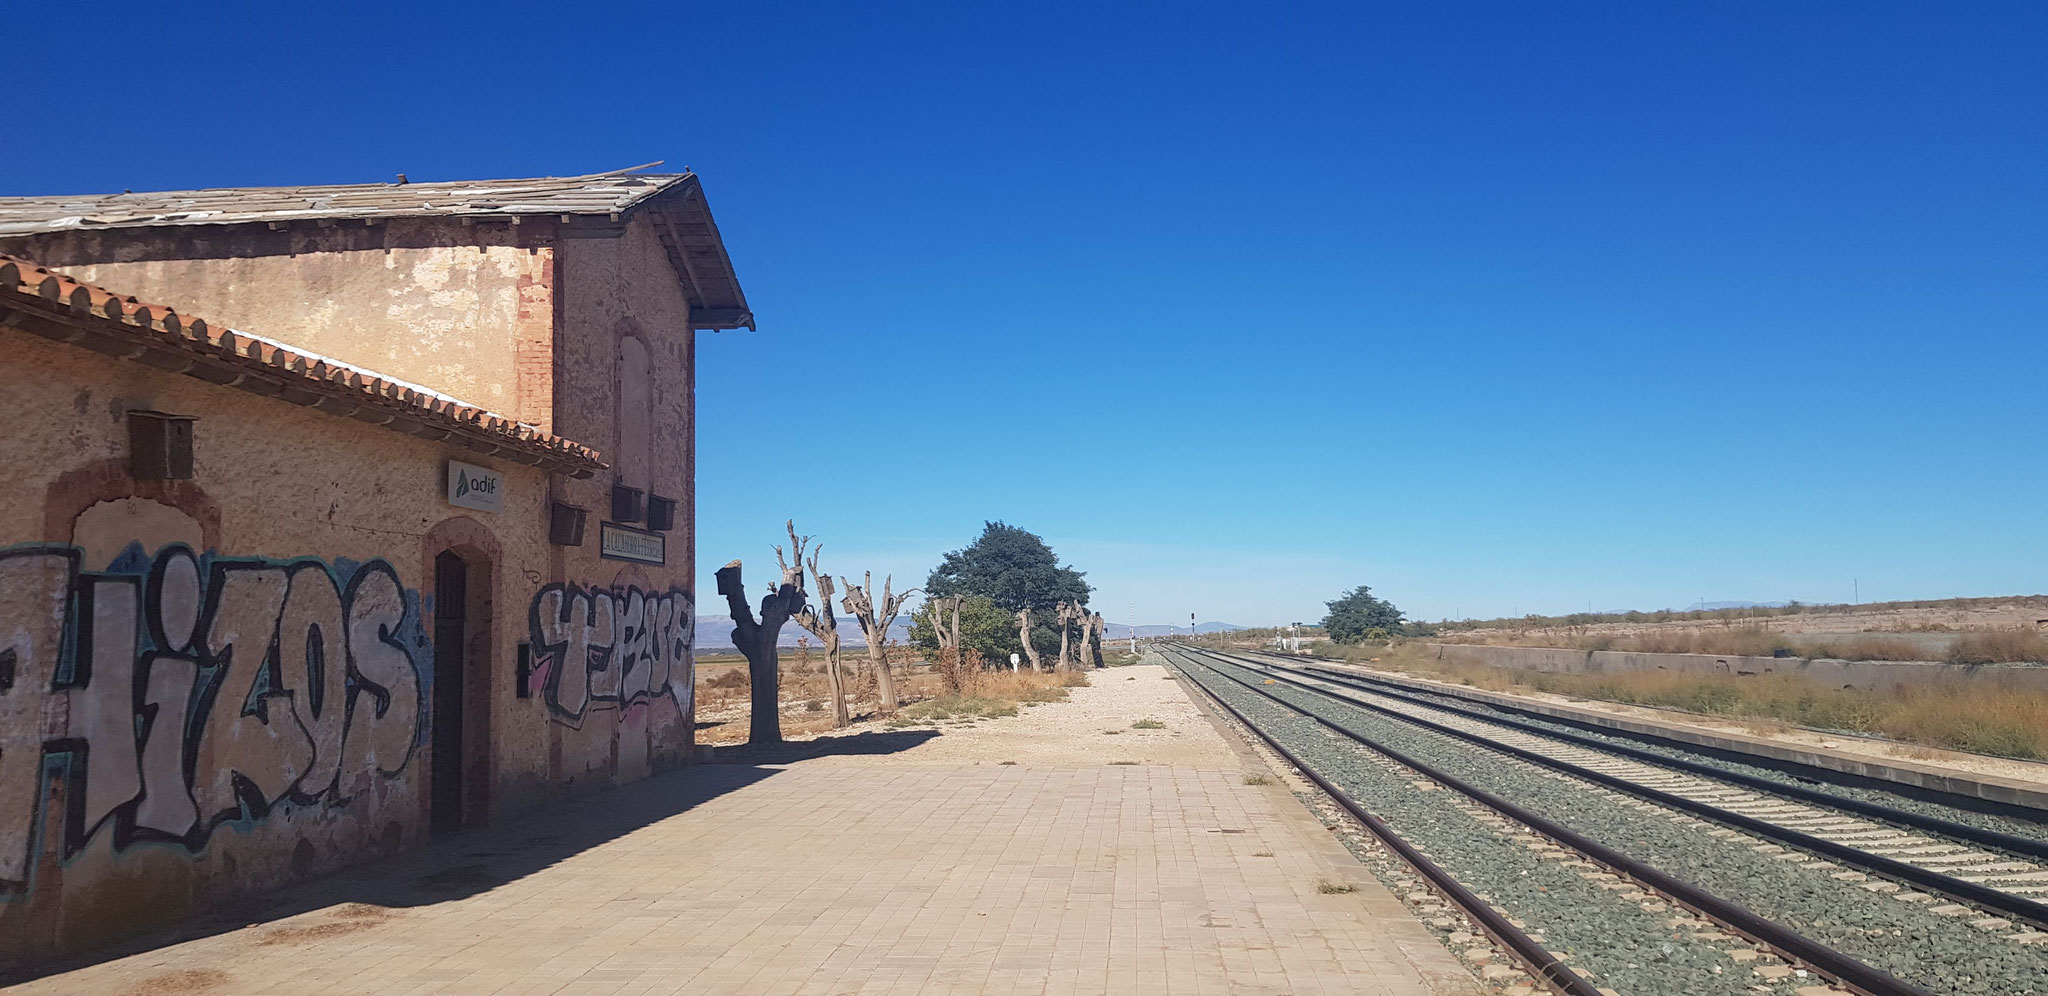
843 873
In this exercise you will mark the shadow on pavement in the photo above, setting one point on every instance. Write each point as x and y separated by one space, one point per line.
869 742
465 864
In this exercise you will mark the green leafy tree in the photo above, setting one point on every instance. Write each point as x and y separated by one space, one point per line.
1359 615
984 626
1010 567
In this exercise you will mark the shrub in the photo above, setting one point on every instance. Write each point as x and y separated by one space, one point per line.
949 706
1998 646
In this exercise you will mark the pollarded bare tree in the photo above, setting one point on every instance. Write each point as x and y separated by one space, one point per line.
875 620
1067 614
821 624
1097 629
756 641
1024 636
950 661
936 612
1084 629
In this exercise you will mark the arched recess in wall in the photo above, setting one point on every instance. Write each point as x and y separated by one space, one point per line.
173 511
462 757
636 413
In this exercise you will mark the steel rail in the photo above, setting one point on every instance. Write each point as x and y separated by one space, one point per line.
1982 895
2005 902
1814 773
1545 964
1832 963
1933 824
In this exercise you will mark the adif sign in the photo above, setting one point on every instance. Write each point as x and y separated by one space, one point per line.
471 486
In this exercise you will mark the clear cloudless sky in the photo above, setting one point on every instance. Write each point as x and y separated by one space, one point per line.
1496 307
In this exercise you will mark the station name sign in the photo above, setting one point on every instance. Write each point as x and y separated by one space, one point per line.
471 486
617 542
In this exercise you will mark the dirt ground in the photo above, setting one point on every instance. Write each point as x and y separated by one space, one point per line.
1959 615
723 707
1095 725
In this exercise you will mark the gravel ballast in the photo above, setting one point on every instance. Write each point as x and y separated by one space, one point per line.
1612 939
1912 804
1943 953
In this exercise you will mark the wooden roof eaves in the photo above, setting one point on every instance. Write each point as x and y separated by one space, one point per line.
709 309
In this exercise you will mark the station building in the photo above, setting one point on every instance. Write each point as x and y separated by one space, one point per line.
334 518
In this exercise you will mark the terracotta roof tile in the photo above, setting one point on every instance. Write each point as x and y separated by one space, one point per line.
55 306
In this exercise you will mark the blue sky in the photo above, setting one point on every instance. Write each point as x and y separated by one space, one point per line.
1495 307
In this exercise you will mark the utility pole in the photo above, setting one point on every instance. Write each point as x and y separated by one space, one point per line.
1134 628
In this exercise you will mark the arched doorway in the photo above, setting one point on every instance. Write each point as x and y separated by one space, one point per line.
461 562
451 657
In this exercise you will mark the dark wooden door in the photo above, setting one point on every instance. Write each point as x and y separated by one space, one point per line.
451 596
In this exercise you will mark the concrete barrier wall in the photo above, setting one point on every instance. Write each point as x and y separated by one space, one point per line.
1834 673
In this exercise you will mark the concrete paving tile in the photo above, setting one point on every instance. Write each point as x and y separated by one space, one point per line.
869 874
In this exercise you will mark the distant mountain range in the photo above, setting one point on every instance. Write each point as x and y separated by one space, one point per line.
1122 630
714 633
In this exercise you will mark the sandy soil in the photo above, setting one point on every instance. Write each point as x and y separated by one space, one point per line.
2016 612
1094 726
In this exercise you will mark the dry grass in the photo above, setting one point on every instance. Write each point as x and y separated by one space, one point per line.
1982 715
1257 780
1148 724
991 694
2008 645
1745 641
1998 646
1329 888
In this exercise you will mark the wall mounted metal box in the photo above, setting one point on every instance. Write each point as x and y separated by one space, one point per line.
160 446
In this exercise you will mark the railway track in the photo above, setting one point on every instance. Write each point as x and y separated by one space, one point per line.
1875 902
1949 859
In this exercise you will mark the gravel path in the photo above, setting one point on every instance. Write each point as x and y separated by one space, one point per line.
1093 726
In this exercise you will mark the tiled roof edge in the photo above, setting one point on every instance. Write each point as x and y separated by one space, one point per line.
157 336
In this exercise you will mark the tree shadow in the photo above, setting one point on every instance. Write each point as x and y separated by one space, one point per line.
866 742
460 865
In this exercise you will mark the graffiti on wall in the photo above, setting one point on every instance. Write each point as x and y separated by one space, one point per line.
184 691
610 648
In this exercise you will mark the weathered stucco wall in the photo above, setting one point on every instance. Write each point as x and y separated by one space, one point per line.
1833 673
466 310
225 683
625 380
318 534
